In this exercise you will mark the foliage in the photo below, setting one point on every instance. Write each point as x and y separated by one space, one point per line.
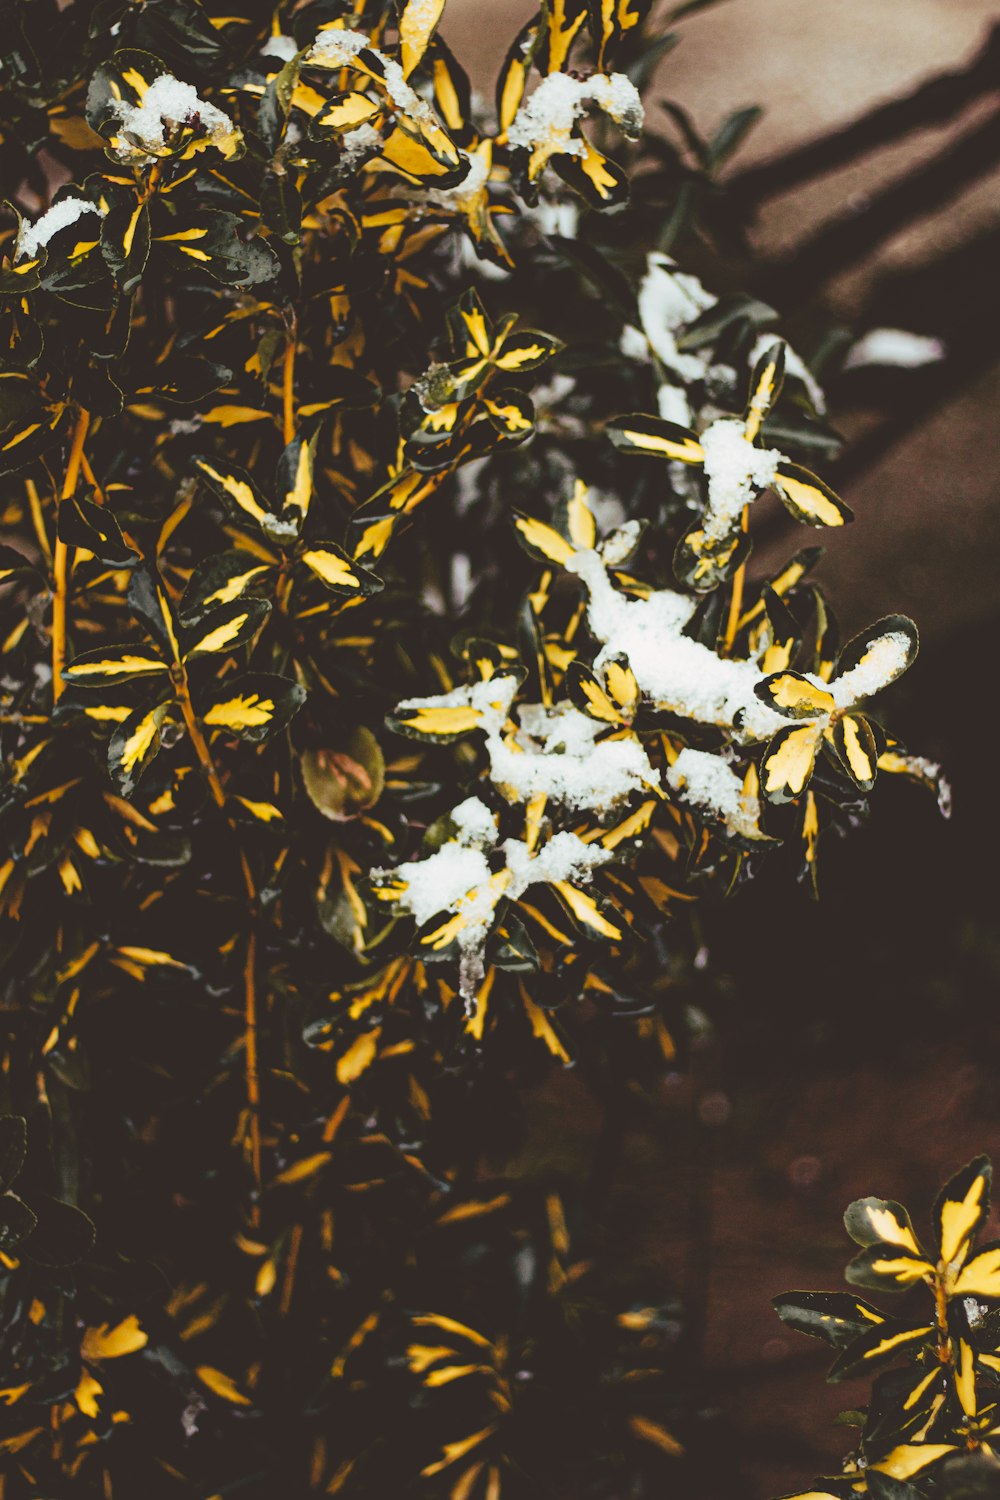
932 1425
329 818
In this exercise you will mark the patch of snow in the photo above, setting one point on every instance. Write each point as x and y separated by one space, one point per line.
357 145
548 116
167 104
59 216
564 857
475 825
794 365
554 216
284 47
885 658
551 751
736 470
634 344
447 880
620 543
463 193
459 878
676 673
673 405
707 782
894 346
336 47
668 301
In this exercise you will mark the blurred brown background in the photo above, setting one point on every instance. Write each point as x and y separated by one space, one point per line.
860 1045
924 209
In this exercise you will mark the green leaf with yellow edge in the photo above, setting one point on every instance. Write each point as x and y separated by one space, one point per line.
542 541
765 388
109 665
856 742
703 562
962 1208
226 628
221 579
253 706
808 498
789 761
337 571
150 603
888 1268
599 181
14 565
588 911
980 1276
792 694
880 1221
876 650
134 745
82 523
237 490
438 723
654 437
293 480
838 1318
881 1346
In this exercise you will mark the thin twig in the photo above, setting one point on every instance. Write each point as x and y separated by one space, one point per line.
60 557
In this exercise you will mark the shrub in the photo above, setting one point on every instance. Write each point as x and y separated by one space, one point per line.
330 817
931 1427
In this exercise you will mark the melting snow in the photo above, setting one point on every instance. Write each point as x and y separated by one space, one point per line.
59 216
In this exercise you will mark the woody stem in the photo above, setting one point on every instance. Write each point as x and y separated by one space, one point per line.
251 1065
61 557
288 383
736 601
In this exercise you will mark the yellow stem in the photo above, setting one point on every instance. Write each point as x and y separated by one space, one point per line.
945 1349
291 1266
251 1068
251 1065
736 602
60 558
288 385
198 741
38 522
91 478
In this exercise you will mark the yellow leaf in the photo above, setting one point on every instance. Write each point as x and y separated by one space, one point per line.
222 1385
105 1342
652 1432
232 416
359 1056
245 711
307 1167
86 1394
